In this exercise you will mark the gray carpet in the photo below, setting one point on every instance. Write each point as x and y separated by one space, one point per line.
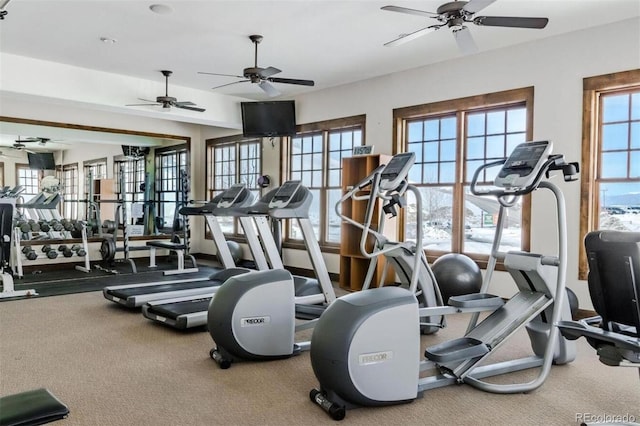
112 366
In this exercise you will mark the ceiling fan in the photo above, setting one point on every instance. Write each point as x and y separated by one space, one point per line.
456 14
19 144
261 76
167 101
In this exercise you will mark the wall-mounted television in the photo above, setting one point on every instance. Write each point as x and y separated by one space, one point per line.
41 161
135 151
268 118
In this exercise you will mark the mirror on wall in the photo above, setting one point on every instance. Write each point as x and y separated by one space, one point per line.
59 171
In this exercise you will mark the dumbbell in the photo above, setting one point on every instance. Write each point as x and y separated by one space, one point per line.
35 226
79 250
29 253
24 226
56 225
66 251
44 226
49 251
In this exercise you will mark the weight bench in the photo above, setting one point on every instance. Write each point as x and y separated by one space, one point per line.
614 286
179 248
35 407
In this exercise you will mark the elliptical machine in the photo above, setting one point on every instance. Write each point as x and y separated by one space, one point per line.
364 349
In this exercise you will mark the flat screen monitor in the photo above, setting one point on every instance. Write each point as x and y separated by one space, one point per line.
268 118
41 161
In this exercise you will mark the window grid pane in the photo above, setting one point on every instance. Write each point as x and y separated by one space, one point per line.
315 158
618 174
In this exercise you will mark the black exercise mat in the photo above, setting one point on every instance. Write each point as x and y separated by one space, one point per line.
68 281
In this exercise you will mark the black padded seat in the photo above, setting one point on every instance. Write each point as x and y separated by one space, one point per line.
34 407
166 245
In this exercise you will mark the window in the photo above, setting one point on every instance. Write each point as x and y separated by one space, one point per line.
29 179
314 156
1 174
171 163
233 160
451 139
610 172
70 191
133 171
94 170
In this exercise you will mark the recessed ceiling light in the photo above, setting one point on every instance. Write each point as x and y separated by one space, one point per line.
108 40
161 9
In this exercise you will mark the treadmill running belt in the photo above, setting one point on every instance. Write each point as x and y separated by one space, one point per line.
124 293
174 310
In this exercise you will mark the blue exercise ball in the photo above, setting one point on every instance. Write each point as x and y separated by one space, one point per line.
456 274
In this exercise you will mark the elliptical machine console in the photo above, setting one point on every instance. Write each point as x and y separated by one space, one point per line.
521 169
396 171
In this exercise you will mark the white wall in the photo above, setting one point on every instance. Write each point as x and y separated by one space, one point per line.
554 66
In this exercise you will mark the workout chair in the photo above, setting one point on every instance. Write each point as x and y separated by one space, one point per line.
614 286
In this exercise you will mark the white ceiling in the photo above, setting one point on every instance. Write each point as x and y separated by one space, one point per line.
331 42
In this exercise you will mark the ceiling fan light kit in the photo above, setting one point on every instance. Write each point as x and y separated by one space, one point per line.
261 76
455 14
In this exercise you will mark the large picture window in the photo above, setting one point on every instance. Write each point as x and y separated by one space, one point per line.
70 191
610 155
170 162
233 160
451 140
314 156
29 179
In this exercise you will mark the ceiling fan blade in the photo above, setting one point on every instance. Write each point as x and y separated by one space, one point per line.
191 108
269 89
412 36
409 11
292 81
475 6
229 84
148 100
465 41
153 104
511 21
223 75
268 72
183 103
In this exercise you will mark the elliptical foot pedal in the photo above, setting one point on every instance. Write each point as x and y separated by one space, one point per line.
476 300
456 350
33 407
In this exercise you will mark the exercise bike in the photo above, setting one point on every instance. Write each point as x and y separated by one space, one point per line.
365 347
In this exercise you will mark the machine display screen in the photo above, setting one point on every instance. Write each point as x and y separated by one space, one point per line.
526 156
232 193
287 190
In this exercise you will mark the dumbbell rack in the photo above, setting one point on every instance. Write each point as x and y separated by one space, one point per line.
18 257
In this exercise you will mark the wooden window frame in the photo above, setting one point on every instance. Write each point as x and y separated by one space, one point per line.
592 89
325 127
237 141
460 107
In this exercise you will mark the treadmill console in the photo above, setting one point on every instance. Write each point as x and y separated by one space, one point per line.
285 194
523 165
231 195
397 170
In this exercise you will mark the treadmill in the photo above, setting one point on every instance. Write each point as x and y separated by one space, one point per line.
135 295
289 201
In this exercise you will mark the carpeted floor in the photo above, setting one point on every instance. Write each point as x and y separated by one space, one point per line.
112 366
